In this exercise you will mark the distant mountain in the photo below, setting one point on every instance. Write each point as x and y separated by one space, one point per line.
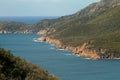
14 27
20 27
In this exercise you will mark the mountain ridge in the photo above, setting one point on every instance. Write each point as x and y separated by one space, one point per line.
98 29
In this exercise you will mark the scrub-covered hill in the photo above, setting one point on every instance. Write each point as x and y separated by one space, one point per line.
96 27
14 68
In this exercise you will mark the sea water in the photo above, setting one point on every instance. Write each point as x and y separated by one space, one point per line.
61 63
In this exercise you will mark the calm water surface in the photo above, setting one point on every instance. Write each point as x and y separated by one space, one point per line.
58 62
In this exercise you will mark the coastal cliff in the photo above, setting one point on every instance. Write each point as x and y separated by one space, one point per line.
92 32
50 40
83 50
42 32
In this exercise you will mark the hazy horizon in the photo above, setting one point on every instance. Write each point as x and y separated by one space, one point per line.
41 7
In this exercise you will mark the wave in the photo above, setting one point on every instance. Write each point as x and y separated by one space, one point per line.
61 49
117 58
77 55
36 40
113 59
86 58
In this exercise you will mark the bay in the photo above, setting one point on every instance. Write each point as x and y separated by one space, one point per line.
61 63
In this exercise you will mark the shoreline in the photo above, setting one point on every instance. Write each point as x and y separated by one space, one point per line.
82 51
73 50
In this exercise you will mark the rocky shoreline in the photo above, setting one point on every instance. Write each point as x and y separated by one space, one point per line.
83 50
75 50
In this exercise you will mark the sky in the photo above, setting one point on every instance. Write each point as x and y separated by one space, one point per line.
41 7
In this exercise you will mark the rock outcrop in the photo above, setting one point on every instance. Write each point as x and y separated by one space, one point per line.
75 50
83 50
42 32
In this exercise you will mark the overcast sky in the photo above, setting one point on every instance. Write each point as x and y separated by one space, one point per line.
41 7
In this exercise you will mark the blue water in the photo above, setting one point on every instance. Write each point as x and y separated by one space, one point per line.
26 19
58 62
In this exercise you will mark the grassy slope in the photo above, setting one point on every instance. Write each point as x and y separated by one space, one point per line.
106 29
103 29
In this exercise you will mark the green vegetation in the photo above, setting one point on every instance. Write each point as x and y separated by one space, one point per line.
14 68
18 27
98 23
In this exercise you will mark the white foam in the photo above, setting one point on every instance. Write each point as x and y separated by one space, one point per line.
36 40
117 58
77 55
61 49
86 58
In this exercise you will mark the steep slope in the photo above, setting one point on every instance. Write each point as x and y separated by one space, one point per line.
14 68
85 14
96 27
